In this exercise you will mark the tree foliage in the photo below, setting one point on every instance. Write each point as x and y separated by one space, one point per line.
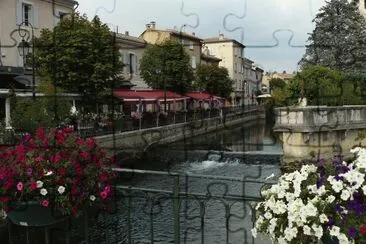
214 79
47 111
339 38
276 83
79 55
167 65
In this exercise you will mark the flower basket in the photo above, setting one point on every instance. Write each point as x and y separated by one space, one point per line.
53 174
33 214
326 201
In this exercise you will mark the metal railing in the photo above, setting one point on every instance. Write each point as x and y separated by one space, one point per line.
192 209
152 119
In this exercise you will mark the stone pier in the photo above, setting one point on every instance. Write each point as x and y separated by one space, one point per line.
319 131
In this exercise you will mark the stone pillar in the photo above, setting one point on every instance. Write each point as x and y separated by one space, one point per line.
7 113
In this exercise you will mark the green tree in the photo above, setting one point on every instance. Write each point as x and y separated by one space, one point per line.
322 85
167 65
79 55
276 83
339 38
49 110
214 79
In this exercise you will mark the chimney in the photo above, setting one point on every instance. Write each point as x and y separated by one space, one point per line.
221 37
284 72
148 26
126 33
193 34
153 24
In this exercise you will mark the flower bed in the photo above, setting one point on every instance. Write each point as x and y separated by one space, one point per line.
317 201
57 170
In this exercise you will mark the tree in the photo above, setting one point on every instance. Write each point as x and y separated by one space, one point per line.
79 55
214 79
47 111
167 65
339 38
276 83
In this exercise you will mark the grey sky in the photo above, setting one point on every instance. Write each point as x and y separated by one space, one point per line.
256 19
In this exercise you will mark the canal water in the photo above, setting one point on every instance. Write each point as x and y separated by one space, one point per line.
217 186
214 172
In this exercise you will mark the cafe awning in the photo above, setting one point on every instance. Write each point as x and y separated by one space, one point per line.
148 96
203 96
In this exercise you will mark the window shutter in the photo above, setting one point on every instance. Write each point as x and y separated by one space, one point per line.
18 14
125 62
137 65
35 16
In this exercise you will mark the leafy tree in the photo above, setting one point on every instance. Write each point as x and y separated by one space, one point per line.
276 82
79 55
167 65
214 79
339 38
47 111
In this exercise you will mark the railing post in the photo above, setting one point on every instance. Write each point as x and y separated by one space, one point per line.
176 210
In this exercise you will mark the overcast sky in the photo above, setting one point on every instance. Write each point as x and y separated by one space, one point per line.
252 22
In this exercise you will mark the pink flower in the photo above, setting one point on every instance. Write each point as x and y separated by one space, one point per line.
38 159
29 171
107 189
84 155
103 194
33 185
20 186
44 203
55 158
40 133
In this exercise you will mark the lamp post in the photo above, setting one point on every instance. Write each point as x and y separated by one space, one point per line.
24 48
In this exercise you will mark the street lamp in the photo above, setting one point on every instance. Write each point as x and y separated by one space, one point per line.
24 48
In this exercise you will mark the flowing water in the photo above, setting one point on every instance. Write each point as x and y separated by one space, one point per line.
214 210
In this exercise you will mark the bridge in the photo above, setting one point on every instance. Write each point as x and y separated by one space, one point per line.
320 131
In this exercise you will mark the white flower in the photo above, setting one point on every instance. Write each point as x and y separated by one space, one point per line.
337 186
272 225
254 232
268 215
330 199
48 173
343 239
61 189
39 184
321 191
92 198
318 230
269 177
334 231
282 240
323 218
307 230
345 195
364 190
290 233
43 192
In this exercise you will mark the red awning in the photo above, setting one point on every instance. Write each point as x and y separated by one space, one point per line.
203 96
148 96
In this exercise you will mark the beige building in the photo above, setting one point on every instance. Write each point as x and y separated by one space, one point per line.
253 77
207 58
231 53
268 76
192 44
131 50
38 14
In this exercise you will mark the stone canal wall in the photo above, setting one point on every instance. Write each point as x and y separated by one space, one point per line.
322 131
142 140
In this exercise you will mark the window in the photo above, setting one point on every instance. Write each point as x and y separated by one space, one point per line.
132 63
193 59
235 67
59 16
190 45
27 13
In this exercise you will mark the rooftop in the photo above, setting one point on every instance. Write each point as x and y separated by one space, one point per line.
221 38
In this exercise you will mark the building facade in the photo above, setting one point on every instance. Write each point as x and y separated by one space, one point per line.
38 14
270 75
131 50
231 53
192 44
253 77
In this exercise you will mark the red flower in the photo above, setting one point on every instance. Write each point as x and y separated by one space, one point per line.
103 194
33 185
84 155
4 199
44 203
104 176
363 229
62 171
55 158
74 191
40 133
